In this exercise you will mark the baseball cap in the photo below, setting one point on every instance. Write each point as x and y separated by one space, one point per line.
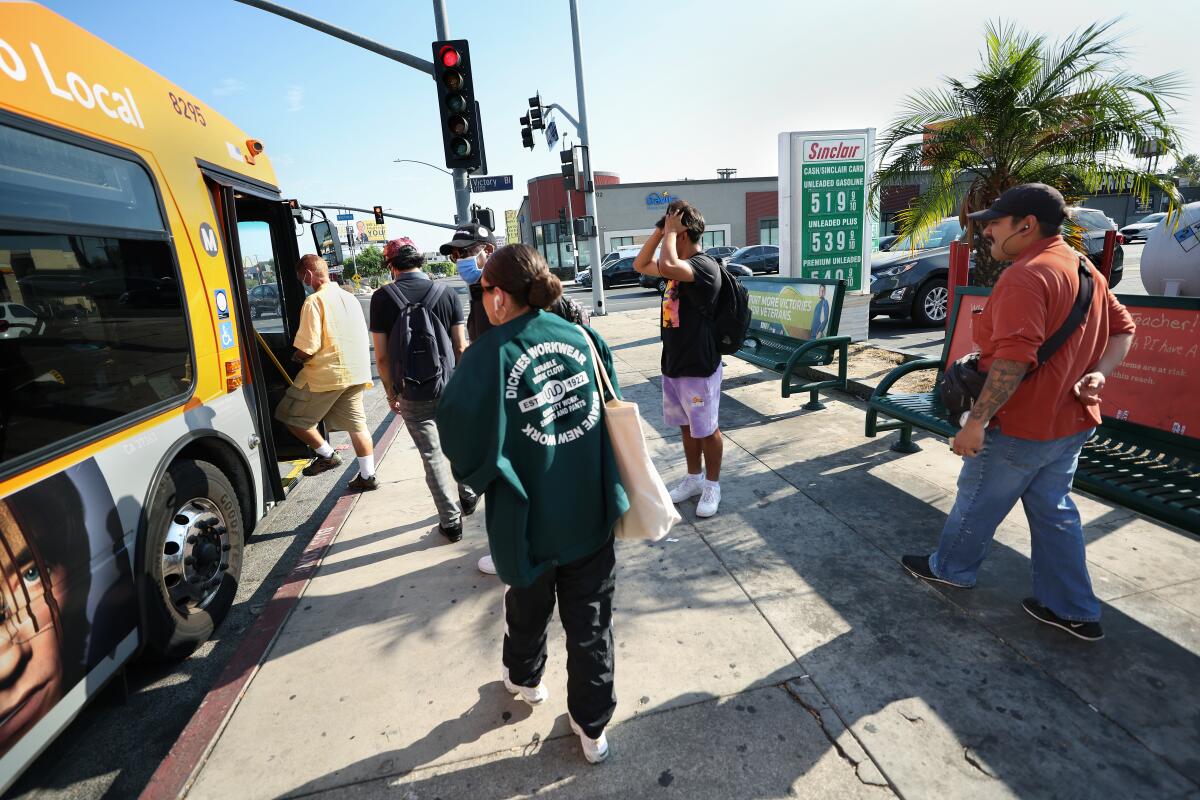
393 247
467 235
1042 201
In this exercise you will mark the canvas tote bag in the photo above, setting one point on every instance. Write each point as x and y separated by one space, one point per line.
651 512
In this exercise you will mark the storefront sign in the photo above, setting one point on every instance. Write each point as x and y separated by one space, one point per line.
511 227
823 201
659 199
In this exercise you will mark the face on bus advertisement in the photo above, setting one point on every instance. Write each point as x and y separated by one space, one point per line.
66 592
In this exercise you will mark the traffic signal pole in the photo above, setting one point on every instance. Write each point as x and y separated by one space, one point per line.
462 185
589 189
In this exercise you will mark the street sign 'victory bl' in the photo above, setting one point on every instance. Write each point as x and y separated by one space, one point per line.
825 230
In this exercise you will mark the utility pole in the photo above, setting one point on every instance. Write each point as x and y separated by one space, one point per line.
589 188
462 185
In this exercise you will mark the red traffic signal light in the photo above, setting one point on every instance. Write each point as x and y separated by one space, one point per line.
378 214
449 56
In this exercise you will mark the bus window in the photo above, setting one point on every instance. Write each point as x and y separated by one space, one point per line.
110 340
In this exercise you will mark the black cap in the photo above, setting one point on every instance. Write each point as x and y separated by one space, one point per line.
1042 201
467 235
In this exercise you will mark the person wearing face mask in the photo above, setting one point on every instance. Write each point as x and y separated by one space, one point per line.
521 422
333 345
470 249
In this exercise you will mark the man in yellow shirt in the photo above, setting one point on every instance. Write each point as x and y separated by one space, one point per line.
333 345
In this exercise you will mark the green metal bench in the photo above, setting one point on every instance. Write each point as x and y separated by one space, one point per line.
779 339
1144 456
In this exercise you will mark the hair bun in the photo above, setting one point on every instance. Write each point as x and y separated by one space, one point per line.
544 289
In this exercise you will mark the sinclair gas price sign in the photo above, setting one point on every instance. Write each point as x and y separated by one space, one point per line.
828 228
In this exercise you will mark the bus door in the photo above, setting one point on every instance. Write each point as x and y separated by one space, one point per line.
260 239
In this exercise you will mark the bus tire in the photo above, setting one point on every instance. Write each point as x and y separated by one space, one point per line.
192 559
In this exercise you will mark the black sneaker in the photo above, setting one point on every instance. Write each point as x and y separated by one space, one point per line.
918 567
361 484
1088 631
319 465
453 534
469 506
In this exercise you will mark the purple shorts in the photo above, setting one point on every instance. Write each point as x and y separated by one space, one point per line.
693 402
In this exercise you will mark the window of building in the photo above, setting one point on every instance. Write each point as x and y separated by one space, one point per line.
768 231
551 249
108 338
712 239
623 241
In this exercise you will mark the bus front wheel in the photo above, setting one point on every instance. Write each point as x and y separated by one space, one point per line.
192 559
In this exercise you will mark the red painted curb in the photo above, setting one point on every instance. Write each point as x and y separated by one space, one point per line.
175 774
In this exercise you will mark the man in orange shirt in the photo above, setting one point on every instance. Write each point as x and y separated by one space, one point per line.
1023 436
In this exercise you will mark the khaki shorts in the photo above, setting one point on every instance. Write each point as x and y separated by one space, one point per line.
341 409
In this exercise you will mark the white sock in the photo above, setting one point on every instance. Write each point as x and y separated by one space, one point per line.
325 450
714 484
366 465
695 475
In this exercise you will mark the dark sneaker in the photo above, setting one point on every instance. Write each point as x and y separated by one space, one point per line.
319 465
361 484
918 567
1088 631
469 506
453 534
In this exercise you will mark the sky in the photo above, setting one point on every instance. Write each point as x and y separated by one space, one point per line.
675 90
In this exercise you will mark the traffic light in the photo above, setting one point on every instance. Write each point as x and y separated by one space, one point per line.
484 216
568 167
457 109
563 231
378 214
526 133
537 113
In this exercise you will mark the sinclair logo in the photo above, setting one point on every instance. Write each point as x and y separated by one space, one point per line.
816 150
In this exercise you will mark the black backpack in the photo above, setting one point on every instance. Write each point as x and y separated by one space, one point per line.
730 317
419 347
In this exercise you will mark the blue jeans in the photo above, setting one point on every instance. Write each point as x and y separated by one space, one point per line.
1039 474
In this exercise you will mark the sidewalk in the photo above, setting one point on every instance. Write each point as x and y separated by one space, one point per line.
775 650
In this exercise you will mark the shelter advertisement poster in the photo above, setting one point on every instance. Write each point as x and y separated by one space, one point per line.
823 205
788 309
1156 384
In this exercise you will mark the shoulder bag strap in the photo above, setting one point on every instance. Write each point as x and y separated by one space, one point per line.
1083 302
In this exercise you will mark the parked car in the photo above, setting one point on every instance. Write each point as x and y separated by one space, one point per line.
884 243
720 251
264 299
656 282
17 320
757 258
1138 231
617 273
909 279
1093 223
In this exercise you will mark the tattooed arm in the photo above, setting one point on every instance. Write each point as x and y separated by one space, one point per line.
1002 381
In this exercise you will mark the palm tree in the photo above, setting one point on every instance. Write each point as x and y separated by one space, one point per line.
1069 114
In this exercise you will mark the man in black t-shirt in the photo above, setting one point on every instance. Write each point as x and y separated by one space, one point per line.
405 262
691 364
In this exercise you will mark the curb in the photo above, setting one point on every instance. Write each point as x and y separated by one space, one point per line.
176 773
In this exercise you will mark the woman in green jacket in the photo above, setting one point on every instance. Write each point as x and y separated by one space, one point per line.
521 423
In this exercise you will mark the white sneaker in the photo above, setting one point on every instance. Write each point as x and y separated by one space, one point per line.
534 695
594 750
690 486
709 500
487 566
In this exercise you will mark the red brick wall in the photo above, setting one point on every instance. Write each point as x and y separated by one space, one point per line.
758 206
547 195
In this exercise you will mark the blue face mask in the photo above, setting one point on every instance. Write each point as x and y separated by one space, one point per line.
468 269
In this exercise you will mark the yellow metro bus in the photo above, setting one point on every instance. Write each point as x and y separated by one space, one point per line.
138 369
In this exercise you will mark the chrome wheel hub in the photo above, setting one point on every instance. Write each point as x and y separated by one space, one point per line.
195 555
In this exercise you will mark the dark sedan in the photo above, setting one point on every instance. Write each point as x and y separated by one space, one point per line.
617 273
757 258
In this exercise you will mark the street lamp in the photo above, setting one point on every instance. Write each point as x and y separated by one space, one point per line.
415 161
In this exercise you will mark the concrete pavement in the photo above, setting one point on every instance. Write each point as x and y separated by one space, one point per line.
775 650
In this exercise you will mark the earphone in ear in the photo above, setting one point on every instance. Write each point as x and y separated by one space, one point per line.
1025 228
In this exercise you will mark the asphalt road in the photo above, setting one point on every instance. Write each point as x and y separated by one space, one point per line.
117 742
